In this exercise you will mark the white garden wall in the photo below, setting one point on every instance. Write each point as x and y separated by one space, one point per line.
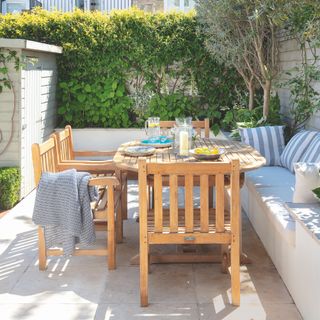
108 139
290 57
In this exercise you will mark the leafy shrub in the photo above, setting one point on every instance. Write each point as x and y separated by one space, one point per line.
169 107
102 102
9 187
107 58
245 118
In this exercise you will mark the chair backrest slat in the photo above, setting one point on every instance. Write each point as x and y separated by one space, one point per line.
158 213
189 202
65 144
219 186
44 158
173 183
204 203
197 125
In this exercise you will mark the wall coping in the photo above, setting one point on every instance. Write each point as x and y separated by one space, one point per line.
29 45
307 214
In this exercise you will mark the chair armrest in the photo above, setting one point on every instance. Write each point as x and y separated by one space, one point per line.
83 153
104 181
89 166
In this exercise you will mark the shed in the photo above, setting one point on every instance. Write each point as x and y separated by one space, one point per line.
28 110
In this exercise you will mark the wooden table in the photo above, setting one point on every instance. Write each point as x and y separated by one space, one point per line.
250 159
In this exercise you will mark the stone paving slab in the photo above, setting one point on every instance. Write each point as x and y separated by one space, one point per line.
83 288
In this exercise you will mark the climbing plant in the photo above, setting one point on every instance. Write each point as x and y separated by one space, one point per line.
8 57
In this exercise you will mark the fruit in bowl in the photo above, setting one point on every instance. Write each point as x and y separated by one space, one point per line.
206 150
205 153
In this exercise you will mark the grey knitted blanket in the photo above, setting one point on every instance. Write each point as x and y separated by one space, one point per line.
62 207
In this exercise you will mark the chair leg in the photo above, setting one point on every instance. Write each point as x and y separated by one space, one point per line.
119 225
42 250
235 273
124 197
225 255
144 266
111 241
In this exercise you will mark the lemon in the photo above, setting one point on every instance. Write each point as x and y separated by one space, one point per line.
206 151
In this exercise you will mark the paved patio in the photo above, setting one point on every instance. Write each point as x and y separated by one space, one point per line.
83 288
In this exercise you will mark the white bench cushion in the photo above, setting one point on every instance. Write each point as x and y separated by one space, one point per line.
271 177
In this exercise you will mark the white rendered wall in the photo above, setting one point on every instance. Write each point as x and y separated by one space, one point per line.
290 57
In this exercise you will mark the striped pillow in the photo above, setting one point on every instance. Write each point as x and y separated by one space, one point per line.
296 148
267 140
312 154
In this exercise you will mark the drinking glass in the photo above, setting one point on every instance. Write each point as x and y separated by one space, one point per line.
152 127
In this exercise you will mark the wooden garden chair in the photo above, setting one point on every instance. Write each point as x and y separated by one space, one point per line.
106 211
199 126
189 225
67 158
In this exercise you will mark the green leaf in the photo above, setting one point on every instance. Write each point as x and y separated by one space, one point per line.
316 192
81 97
4 70
215 129
87 88
114 85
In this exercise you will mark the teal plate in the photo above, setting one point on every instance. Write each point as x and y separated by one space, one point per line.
161 142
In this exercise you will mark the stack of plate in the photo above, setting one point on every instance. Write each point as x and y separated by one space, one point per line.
139 151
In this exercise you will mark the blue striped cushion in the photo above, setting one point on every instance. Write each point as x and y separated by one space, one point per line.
296 148
312 154
267 140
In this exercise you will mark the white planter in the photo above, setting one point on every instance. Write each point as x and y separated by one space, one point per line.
104 139
108 139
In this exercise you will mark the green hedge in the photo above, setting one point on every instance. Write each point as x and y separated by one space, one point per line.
117 69
9 187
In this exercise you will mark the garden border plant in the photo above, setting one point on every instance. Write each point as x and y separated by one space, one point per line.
9 187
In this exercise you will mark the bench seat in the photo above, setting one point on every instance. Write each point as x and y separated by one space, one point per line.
293 249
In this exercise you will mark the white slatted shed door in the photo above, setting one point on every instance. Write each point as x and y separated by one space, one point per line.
108 5
30 122
61 5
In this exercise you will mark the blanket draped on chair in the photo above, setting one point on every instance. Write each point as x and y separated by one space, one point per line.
62 207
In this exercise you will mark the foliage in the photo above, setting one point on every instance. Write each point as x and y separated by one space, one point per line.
240 116
7 56
170 106
316 192
305 99
110 61
102 102
9 187
242 33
